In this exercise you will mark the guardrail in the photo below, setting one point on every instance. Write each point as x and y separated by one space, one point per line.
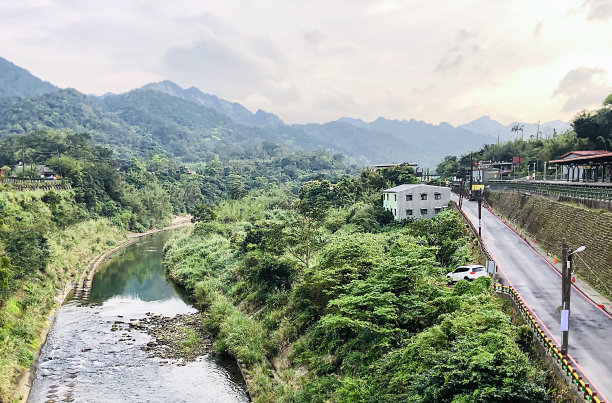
483 250
591 192
583 387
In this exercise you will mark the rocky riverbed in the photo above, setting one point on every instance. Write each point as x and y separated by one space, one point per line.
178 339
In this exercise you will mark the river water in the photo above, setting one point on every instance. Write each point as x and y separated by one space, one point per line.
83 360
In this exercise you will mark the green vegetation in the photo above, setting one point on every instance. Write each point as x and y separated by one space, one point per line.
162 118
592 131
325 298
38 256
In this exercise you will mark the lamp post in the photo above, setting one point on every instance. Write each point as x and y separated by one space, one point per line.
566 292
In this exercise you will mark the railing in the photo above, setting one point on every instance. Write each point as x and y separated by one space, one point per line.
575 378
591 192
483 250
584 388
34 184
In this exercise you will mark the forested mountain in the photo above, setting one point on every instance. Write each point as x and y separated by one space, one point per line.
18 82
189 124
424 141
233 110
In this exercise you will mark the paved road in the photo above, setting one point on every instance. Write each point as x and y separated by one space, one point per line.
590 336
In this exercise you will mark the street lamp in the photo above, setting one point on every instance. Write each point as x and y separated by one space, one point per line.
566 288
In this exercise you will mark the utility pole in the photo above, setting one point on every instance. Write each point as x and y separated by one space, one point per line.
566 292
566 288
479 193
462 186
471 173
23 161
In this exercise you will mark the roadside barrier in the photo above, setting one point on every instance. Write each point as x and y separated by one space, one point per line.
564 362
584 388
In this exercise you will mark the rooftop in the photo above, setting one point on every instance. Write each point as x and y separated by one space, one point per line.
584 156
401 188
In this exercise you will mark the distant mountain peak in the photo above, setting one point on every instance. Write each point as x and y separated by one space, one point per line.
486 125
233 110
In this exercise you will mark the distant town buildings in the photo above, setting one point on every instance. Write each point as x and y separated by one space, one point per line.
44 172
416 201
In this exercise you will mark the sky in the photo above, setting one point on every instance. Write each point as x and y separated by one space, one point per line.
319 60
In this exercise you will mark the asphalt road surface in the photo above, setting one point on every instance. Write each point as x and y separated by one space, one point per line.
590 334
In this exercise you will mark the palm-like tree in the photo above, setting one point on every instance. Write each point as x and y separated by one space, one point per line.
518 127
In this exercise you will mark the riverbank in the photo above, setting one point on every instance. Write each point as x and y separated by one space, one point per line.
25 378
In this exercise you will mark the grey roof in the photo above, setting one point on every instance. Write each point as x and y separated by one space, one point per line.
401 188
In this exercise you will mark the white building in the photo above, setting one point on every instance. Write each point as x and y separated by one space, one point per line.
416 201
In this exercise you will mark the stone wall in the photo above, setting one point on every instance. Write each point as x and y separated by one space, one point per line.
550 221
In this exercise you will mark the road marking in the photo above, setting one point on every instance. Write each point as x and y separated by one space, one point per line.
592 384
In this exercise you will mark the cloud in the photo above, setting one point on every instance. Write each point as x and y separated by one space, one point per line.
215 65
537 31
584 87
598 10
313 37
449 64
463 45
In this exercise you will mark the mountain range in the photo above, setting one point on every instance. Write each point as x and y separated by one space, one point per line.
192 125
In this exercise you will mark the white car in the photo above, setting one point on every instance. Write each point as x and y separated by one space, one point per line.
469 273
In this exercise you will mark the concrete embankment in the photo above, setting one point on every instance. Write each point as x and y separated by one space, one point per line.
548 222
81 289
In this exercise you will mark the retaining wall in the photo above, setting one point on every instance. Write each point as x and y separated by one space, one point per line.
549 221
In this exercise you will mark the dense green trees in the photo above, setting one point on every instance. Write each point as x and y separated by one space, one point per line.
367 317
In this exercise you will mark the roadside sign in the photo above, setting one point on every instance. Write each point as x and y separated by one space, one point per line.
477 187
565 320
491 267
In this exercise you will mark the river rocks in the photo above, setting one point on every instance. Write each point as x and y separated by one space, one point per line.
178 339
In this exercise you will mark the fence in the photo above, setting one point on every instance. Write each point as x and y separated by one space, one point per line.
33 184
552 349
603 193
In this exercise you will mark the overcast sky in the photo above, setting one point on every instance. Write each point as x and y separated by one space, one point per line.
318 60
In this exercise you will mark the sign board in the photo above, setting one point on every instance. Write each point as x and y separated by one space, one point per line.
477 187
565 320
491 267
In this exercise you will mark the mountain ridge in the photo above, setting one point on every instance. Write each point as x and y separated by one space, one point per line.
188 123
16 81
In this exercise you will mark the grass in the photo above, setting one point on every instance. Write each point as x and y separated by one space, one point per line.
24 315
192 341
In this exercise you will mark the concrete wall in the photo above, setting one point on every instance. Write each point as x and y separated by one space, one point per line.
550 221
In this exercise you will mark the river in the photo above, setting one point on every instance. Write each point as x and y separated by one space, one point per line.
84 360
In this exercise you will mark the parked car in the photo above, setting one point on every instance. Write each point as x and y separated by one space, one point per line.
469 273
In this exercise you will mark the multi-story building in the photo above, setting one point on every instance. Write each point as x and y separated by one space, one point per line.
416 201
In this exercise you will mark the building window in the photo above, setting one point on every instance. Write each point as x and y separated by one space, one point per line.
437 196
408 197
423 196
408 212
423 211
394 212
387 196
438 209
395 197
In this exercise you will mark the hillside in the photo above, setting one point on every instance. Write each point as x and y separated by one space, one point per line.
422 142
233 110
192 125
18 82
